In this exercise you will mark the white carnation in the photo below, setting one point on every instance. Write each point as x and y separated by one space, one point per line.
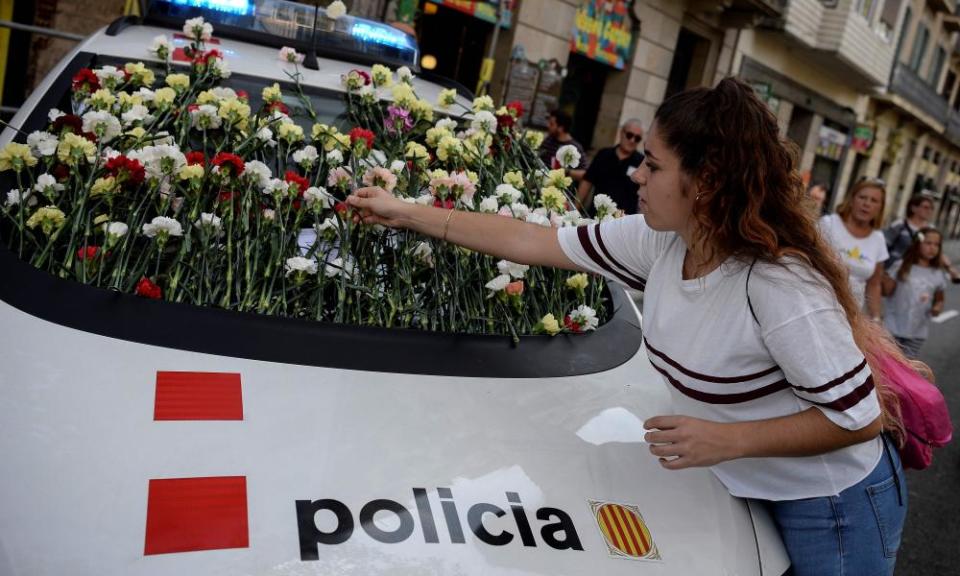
162 226
447 124
197 28
336 9
115 229
42 143
512 269
484 121
568 156
424 254
585 316
538 219
317 195
48 185
489 204
300 264
507 193
136 113
257 172
53 114
104 124
208 221
307 155
498 283
334 158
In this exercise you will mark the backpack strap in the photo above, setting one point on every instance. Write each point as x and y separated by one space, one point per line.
749 303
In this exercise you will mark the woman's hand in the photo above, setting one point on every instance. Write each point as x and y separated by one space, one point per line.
377 206
686 442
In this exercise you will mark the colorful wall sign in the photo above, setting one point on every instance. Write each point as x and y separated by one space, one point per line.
482 9
601 31
863 136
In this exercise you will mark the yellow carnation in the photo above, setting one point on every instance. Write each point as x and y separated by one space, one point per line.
191 172
139 73
16 157
578 282
102 99
271 93
178 82
164 97
49 218
291 132
73 149
103 186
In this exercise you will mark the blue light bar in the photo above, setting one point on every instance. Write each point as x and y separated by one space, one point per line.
383 35
238 7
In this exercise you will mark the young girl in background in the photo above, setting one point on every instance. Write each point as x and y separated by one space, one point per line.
915 287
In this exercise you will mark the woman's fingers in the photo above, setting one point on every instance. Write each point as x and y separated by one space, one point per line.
661 436
663 422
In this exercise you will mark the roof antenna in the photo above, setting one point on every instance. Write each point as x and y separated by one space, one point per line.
310 58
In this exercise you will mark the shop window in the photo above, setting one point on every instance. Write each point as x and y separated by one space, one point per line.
947 89
926 153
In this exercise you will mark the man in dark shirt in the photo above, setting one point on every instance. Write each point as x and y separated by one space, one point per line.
558 134
610 171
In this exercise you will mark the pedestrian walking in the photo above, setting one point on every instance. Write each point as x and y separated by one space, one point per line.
816 196
899 235
914 287
558 134
854 232
736 276
609 172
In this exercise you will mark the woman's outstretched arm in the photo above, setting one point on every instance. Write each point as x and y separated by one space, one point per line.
492 234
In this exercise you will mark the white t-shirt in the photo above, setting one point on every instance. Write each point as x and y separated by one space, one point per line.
907 310
861 255
720 365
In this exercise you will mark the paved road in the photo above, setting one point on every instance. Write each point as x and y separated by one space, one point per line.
931 540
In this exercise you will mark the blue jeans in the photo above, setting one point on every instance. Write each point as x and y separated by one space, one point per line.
855 533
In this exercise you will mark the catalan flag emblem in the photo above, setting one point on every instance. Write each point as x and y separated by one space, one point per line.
624 531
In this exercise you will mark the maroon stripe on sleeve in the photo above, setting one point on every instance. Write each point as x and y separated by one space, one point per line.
706 377
836 381
736 398
850 400
603 248
584 235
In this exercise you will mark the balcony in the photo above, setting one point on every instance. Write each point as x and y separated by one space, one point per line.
951 23
839 38
953 127
740 13
919 97
948 6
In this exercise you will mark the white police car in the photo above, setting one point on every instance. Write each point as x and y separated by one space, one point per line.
145 437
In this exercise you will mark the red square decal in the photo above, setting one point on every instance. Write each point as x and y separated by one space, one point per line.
198 396
189 514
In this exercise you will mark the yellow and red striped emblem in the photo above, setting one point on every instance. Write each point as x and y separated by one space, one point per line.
624 531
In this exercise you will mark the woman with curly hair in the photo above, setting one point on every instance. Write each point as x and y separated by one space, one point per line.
748 316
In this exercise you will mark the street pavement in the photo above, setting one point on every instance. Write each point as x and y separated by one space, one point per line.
931 539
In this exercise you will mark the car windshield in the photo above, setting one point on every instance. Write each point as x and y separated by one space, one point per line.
228 192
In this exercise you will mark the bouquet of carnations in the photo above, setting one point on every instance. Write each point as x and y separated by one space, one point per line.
163 181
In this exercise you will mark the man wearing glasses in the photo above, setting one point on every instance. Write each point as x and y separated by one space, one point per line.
610 171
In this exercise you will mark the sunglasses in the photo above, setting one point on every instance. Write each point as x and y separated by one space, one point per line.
631 136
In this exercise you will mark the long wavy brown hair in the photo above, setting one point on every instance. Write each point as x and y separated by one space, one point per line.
752 202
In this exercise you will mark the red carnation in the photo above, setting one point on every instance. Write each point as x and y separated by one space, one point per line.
362 134
228 159
211 54
505 121
445 204
294 178
242 94
85 80
196 158
341 208
571 325
88 253
225 197
68 123
148 289
192 107
516 108
279 107
126 170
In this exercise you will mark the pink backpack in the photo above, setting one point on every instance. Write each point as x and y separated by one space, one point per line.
926 419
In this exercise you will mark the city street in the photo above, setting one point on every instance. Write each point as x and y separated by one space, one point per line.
932 532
